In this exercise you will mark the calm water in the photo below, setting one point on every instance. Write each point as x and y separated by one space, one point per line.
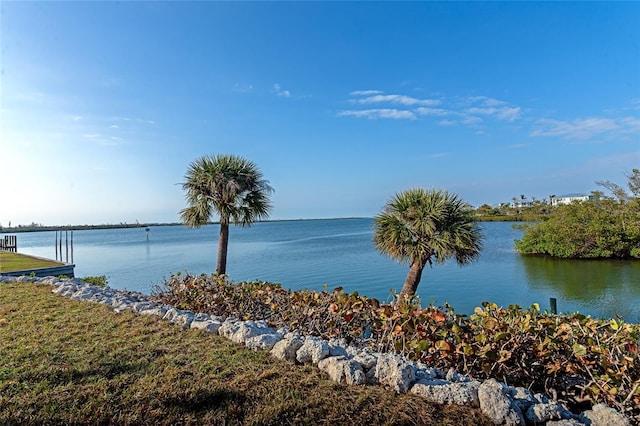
313 253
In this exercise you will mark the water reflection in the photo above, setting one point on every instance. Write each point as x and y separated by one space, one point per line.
602 286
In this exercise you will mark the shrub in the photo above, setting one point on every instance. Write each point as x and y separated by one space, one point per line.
100 280
577 358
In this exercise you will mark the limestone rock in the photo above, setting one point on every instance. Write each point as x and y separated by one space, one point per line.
496 403
565 422
263 341
179 317
343 370
600 414
366 358
370 374
524 398
244 330
228 327
141 306
210 325
443 392
158 311
454 376
541 398
396 372
540 413
66 289
286 348
338 347
312 350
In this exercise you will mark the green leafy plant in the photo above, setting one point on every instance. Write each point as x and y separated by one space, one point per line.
579 359
100 280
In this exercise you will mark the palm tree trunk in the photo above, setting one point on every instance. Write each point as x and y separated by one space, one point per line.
223 243
413 279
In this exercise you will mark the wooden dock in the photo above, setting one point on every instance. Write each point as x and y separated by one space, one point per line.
9 243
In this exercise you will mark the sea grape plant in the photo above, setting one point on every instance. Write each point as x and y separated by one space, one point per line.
576 358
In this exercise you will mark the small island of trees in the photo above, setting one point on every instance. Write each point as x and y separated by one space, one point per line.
605 227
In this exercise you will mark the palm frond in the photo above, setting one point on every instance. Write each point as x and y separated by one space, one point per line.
425 226
229 185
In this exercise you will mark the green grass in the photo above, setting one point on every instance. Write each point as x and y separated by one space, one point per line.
70 362
17 262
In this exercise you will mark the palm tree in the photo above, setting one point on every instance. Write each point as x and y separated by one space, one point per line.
230 186
419 226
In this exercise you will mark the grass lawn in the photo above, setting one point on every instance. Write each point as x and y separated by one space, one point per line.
66 361
17 262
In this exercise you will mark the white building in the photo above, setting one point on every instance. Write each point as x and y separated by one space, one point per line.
521 203
570 198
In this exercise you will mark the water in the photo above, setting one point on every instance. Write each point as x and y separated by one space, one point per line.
314 253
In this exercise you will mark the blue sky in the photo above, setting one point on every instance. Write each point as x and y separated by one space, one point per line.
104 104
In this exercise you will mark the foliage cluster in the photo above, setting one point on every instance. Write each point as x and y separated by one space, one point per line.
98 281
580 359
232 187
420 227
602 228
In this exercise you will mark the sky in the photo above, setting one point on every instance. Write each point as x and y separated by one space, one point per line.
103 105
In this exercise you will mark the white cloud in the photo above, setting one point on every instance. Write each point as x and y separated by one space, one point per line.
471 111
115 126
77 118
509 113
365 92
280 92
471 120
580 128
432 111
503 113
243 88
134 120
632 124
379 113
486 101
396 99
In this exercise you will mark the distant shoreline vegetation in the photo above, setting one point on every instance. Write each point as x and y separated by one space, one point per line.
39 227
602 228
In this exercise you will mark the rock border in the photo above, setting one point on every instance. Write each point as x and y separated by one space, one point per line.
505 405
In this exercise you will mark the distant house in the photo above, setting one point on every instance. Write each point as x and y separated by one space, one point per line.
521 203
570 198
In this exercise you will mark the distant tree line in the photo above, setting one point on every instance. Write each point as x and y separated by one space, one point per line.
34 227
